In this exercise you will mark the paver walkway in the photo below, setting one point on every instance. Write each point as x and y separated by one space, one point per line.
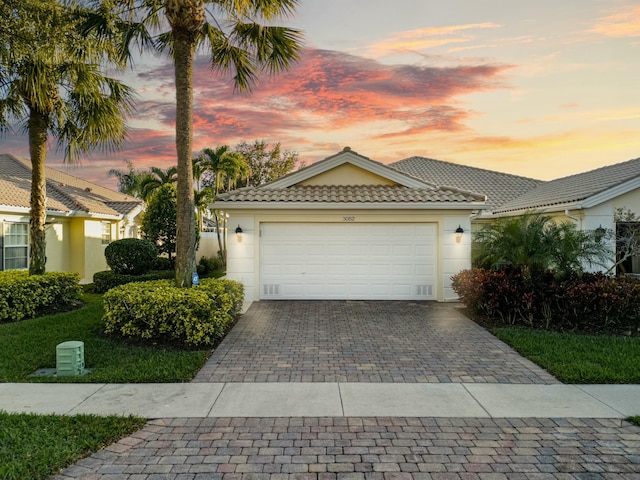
389 342
369 449
364 341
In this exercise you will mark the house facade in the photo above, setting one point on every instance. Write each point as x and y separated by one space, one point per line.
348 228
82 219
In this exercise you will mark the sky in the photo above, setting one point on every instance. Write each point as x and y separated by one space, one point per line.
539 89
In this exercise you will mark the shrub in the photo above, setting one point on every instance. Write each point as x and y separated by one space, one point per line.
590 303
164 263
131 256
160 312
208 265
598 303
106 280
27 296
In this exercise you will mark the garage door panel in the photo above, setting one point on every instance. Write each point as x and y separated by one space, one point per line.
348 261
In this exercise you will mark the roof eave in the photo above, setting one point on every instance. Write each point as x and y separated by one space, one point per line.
611 193
225 206
559 207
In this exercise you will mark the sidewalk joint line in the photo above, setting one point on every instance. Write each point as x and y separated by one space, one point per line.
224 385
464 385
579 387
90 396
340 396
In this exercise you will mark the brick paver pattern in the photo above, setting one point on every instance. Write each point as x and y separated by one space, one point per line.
369 449
364 341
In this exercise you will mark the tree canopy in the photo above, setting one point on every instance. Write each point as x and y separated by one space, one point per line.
238 42
52 83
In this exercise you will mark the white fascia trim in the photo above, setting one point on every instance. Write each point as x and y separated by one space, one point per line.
561 207
611 193
345 206
11 209
95 216
354 159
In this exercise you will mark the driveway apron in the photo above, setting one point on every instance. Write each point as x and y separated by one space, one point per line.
355 341
364 341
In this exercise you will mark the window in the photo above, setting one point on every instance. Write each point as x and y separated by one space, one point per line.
16 246
106 233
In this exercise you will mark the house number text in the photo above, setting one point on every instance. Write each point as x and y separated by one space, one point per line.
348 219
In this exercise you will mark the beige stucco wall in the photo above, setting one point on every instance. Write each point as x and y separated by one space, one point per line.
243 257
347 174
94 260
74 244
58 251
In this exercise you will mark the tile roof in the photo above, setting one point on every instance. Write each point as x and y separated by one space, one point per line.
575 188
498 187
65 193
349 194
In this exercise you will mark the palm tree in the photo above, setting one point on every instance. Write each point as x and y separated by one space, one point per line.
535 243
238 43
155 178
50 79
130 181
228 168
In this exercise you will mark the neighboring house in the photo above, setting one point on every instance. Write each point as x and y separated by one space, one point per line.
588 199
348 228
351 228
82 219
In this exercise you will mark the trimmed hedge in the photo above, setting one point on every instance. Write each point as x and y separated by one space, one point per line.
28 296
131 256
590 303
161 312
106 280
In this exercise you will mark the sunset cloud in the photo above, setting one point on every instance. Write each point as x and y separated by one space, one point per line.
328 91
425 38
624 23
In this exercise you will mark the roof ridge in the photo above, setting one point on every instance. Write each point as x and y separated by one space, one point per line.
599 169
470 167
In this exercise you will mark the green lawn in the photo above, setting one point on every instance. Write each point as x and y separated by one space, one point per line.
580 359
31 344
39 446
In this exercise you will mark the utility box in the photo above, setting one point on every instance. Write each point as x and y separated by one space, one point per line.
70 359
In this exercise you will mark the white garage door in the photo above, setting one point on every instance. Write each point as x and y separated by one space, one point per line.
373 261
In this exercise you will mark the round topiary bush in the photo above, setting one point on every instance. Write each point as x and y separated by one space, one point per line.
131 256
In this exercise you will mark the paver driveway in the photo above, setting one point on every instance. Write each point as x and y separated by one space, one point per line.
364 341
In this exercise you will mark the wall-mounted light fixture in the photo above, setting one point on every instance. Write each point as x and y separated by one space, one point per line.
600 232
239 234
459 232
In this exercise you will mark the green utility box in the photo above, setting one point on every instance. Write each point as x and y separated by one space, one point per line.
70 359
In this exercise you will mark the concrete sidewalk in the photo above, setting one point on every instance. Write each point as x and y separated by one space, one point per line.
461 400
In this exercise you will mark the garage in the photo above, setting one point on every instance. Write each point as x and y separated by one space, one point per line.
365 261
348 228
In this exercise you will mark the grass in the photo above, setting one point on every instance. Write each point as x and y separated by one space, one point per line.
39 446
31 344
579 359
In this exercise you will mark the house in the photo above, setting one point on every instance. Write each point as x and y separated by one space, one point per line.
82 219
588 199
348 227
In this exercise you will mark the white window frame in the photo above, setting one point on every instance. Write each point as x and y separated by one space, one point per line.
107 236
5 246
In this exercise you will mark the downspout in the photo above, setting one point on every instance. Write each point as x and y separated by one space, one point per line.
575 219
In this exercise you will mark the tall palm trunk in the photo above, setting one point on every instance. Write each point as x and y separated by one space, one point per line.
37 125
186 18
